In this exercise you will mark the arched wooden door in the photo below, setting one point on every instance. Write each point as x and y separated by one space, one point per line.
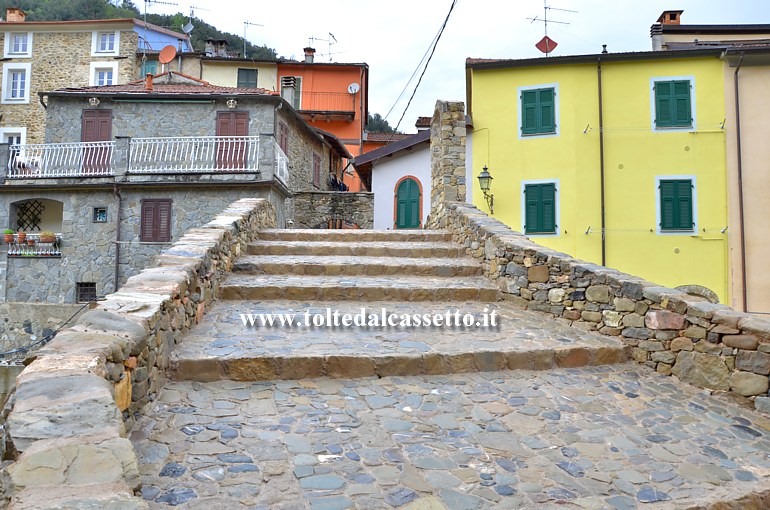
408 201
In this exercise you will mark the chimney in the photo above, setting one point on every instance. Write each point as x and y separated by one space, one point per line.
15 15
309 55
670 17
148 82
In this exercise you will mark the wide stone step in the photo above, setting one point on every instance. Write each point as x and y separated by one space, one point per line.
358 288
356 265
369 249
222 347
355 235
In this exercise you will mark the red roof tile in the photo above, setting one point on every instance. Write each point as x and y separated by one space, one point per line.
385 137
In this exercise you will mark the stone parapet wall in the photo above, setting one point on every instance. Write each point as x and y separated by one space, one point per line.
316 209
447 151
705 344
74 404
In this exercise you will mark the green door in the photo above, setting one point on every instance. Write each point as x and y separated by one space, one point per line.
408 213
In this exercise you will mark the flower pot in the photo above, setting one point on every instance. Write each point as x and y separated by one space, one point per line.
47 239
8 238
30 242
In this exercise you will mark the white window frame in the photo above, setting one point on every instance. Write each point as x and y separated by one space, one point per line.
22 131
97 66
693 109
693 181
95 40
8 45
556 101
557 204
7 70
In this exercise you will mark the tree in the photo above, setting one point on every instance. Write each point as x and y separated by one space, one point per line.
376 124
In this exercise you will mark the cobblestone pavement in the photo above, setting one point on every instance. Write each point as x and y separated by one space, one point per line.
522 340
617 437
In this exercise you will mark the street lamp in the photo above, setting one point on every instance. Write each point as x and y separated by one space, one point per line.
485 182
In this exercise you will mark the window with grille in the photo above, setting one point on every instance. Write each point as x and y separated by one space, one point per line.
86 292
156 220
29 215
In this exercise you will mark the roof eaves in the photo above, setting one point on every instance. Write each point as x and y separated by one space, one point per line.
387 150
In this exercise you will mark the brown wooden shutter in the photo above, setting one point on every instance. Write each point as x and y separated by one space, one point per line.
156 220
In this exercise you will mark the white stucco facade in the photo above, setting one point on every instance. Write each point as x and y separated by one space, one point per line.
386 174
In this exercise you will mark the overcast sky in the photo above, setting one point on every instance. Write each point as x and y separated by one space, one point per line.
393 35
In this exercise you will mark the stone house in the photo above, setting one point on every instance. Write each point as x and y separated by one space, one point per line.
126 169
47 55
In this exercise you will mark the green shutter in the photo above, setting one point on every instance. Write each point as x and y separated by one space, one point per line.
673 104
546 114
538 111
676 207
529 112
540 208
247 78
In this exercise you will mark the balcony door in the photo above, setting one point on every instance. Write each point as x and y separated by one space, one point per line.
96 127
231 154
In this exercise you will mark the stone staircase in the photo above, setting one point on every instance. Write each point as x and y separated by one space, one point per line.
289 273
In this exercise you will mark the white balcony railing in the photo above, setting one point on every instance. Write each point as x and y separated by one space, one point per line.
83 159
281 165
194 154
31 246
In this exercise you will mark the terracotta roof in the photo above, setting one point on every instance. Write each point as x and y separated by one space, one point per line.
378 137
182 85
387 150
423 122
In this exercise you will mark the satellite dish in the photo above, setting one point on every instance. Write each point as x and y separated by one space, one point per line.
167 54
353 88
188 28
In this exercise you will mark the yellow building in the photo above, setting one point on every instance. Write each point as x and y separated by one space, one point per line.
614 158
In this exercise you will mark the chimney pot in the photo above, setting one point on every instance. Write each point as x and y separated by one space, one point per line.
670 18
604 48
309 55
148 82
15 15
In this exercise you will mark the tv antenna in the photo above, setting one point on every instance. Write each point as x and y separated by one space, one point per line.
246 24
546 44
159 2
192 12
330 41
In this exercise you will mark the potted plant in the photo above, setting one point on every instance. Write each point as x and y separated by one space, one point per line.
30 242
21 236
8 235
46 236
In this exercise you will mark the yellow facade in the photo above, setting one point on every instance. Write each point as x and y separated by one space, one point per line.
225 73
636 154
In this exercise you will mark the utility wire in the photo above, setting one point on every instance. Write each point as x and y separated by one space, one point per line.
433 49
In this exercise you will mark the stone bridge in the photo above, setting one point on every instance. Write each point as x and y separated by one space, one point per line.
556 388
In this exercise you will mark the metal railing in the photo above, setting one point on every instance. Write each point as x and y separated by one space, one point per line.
82 159
32 246
328 101
281 164
194 154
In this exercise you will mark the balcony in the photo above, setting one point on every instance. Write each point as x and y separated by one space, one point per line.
136 156
33 247
328 106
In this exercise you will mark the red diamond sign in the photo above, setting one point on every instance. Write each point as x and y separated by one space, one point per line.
546 45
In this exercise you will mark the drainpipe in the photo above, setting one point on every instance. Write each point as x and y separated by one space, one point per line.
740 183
116 191
601 158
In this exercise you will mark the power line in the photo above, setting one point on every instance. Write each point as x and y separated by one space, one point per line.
433 49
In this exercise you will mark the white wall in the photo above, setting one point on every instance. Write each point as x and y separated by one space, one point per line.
386 173
469 177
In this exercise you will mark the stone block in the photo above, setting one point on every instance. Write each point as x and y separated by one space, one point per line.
598 294
515 270
664 357
572 358
639 355
681 344
641 308
623 304
758 326
637 333
633 320
762 404
578 295
663 319
665 336
695 332
707 347
664 368
607 330
591 316
753 361
611 318
745 342
650 345
556 295
721 329
703 370
538 274
748 384
123 392
572 315
115 496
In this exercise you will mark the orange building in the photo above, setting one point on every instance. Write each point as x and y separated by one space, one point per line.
331 96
